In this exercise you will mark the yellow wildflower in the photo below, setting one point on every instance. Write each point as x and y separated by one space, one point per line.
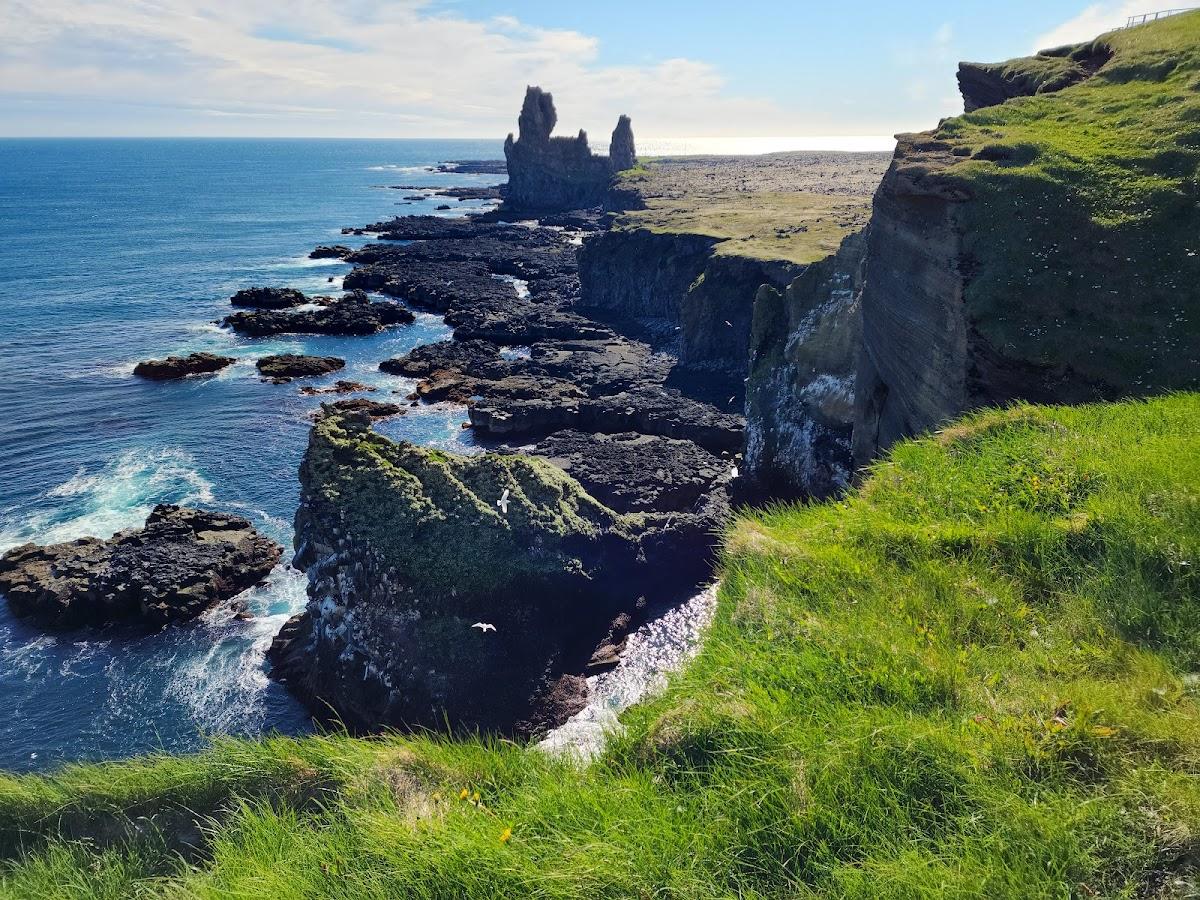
464 794
505 835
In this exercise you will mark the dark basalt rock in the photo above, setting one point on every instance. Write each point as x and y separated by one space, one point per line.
374 409
474 166
180 564
286 366
631 472
181 366
354 314
327 251
559 173
406 548
495 192
338 387
268 298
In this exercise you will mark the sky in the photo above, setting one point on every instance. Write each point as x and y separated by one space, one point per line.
458 68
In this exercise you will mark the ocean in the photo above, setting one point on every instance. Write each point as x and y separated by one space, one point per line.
120 250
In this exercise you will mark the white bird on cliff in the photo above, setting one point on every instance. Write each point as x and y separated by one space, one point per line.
484 627
503 502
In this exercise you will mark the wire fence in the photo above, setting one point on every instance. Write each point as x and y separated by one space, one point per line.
1161 14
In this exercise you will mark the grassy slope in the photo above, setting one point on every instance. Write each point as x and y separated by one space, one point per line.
970 678
1093 222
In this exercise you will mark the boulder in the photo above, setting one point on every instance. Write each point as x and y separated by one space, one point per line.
268 298
181 366
181 563
327 251
287 366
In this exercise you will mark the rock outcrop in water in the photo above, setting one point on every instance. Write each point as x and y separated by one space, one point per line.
286 366
559 173
181 366
181 563
407 548
353 314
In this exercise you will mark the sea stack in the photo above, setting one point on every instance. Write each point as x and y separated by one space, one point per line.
559 173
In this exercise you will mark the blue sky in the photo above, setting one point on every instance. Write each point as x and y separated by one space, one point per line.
457 68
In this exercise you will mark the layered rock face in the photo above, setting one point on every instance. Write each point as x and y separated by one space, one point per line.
408 548
913 367
559 173
180 564
676 292
800 393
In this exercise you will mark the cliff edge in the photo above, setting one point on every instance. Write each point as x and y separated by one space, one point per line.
1042 249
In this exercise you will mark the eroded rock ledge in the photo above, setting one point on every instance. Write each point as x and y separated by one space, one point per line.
407 548
181 563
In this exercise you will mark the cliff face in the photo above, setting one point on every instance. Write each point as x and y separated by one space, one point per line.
913 359
800 394
406 549
674 290
1043 249
559 173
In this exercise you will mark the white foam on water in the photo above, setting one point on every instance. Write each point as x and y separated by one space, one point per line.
652 652
223 683
391 167
520 285
305 262
27 660
99 503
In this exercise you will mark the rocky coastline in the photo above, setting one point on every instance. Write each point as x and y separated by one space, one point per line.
180 564
638 349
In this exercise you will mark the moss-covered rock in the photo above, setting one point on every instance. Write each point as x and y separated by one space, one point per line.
407 548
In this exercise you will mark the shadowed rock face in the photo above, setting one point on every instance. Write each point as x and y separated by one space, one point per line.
559 173
182 562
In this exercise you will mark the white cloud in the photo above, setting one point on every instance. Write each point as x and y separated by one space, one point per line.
366 67
1092 22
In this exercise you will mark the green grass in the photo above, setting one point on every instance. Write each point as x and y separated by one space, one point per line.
748 224
1085 240
971 678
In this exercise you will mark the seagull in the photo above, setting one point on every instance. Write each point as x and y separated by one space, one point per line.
727 322
733 473
484 627
503 502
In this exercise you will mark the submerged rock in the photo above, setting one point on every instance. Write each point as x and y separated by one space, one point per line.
181 366
287 366
408 548
181 563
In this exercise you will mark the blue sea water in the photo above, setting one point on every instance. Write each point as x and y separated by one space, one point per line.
115 251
